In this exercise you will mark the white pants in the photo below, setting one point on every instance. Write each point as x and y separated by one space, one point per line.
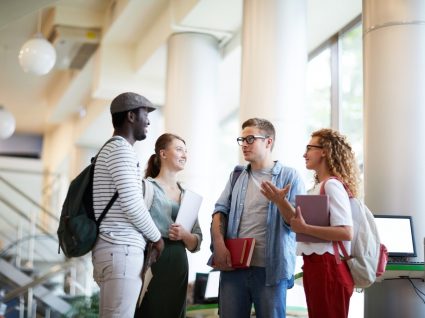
117 271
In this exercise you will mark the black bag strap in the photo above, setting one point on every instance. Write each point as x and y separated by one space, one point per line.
105 210
115 196
93 160
236 173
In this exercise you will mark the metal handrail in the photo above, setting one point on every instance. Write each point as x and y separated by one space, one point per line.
34 287
45 188
22 214
31 200
42 230
45 233
4 251
55 269
15 206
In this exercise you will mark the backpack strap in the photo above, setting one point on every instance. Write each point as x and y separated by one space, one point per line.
336 244
115 196
236 173
105 210
147 192
113 138
322 188
237 170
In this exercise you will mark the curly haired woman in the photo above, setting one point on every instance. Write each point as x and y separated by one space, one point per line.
328 284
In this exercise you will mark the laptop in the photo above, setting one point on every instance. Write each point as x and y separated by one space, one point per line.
211 290
315 211
206 287
396 233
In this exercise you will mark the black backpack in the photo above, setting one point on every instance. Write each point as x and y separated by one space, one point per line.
78 228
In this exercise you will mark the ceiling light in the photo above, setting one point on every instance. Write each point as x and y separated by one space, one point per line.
37 56
7 123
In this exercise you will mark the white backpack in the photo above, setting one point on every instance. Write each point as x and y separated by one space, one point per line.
368 256
147 192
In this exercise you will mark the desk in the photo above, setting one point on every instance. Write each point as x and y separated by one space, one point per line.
211 311
391 271
202 311
403 271
394 295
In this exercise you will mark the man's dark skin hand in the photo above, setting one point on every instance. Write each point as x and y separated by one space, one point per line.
158 247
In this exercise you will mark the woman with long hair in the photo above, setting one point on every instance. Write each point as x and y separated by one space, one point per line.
327 283
166 294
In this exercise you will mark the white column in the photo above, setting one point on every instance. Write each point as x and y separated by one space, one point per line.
394 99
274 61
190 112
394 112
191 93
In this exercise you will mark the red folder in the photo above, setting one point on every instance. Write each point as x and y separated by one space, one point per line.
241 250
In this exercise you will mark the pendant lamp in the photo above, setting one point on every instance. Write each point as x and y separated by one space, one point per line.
7 123
37 55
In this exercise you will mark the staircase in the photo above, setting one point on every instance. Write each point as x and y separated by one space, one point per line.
36 281
40 292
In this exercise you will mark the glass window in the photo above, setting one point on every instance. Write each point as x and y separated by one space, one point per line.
229 148
318 105
344 54
351 89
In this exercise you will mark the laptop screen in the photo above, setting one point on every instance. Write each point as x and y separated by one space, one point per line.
211 290
206 288
396 232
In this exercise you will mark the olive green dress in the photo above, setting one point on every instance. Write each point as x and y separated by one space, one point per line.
166 293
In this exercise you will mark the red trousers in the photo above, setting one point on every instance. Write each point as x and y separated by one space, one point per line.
328 286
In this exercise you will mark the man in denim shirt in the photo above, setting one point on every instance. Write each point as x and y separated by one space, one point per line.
247 213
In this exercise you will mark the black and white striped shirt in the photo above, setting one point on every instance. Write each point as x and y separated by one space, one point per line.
128 221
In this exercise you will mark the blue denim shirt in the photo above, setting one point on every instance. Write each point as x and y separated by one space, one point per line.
280 248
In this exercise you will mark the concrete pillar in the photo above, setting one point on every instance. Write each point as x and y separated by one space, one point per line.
191 111
274 62
394 76
190 108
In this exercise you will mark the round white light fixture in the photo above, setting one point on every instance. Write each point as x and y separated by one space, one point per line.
7 123
37 55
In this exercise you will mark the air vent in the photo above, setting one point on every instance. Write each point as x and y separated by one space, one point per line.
74 46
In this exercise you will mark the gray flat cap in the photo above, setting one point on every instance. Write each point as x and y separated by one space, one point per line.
128 101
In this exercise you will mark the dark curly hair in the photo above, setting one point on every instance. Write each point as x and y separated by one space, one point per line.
340 158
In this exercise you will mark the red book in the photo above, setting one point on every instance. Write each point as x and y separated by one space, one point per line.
241 250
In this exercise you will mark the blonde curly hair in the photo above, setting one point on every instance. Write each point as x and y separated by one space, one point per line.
340 158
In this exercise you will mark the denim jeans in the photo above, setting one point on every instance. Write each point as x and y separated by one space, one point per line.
116 269
240 289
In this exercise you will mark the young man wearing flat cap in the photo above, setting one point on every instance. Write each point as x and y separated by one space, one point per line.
118 254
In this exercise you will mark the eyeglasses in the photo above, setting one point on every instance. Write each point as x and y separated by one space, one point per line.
309 147
249 139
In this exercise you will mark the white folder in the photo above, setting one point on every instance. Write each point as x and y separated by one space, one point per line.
189 209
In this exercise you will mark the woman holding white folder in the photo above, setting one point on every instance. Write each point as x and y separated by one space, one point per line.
166 294
328 285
